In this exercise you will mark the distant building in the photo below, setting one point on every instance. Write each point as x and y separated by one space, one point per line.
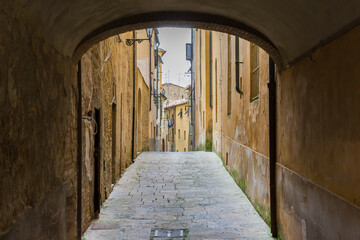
231 108
182 121
177 137
173 91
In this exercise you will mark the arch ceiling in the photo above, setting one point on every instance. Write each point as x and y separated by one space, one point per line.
288 30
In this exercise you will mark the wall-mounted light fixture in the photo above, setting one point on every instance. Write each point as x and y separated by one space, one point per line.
131 41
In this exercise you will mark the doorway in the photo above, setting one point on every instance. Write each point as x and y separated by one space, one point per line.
113 153
97 153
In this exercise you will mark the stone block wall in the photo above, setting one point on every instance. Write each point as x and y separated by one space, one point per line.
108 86
38 157
38 140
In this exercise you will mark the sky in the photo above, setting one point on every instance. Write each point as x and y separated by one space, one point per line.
173 41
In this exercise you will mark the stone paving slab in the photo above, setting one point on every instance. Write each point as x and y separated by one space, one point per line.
189 191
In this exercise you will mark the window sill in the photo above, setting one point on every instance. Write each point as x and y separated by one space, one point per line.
255 99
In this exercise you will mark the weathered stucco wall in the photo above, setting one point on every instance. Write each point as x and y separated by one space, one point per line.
241 138
317 171
142 113
318 143
147 69
38 148
108 86
39 140
203 116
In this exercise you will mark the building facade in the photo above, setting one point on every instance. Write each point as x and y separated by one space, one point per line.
202 73
178 114
148 66
182 122
115 95
231 108
171 93
169 128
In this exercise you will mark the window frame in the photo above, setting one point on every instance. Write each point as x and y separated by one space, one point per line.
254 72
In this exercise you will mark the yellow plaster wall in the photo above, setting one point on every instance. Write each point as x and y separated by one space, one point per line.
182 124
240 138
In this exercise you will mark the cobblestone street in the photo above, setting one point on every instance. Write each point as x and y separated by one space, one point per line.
189 192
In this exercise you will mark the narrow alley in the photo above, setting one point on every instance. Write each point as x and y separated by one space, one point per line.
164 193
152 119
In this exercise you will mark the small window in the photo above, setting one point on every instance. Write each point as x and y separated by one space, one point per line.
188 51
254 78
184 135
180 113
179 133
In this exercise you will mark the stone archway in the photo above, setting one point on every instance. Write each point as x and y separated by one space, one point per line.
287 31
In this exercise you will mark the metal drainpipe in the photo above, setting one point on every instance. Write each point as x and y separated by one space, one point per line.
272 145
210 76
193 65
150 72
133 117
79 154
237 62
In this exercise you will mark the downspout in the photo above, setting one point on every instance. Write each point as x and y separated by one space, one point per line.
133 116
79 153
160 139
272 145
221 124
150 80
237 70
193 87
210 70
